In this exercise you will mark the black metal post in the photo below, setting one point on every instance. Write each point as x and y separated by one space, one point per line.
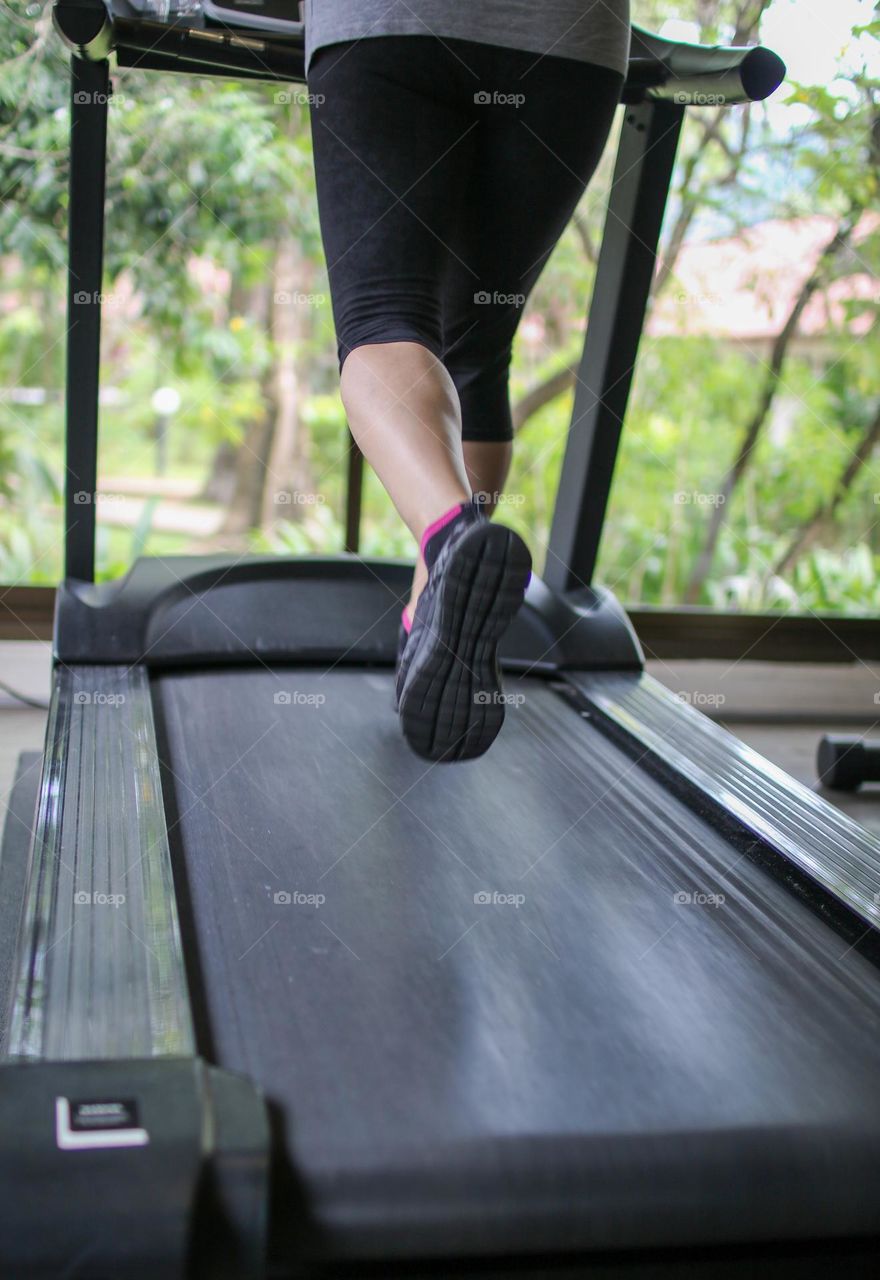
353 497
89 84
642 178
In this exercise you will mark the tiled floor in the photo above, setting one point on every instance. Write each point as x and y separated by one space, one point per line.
25 667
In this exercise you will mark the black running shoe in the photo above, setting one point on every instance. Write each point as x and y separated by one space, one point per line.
402 641
402 638
448 680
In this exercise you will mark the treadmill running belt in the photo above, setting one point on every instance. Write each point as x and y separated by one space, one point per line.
526 1003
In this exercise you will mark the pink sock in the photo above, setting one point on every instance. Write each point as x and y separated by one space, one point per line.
440 523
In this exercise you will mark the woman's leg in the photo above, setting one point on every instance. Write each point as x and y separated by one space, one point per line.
403 412
535 156
487 463
400 137
393 146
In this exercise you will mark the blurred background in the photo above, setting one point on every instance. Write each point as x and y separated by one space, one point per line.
749 478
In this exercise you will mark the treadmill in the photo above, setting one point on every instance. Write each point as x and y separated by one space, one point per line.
286 1001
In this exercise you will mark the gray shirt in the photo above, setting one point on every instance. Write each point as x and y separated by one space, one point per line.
588 30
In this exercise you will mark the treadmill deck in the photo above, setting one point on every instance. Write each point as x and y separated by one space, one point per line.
640 1038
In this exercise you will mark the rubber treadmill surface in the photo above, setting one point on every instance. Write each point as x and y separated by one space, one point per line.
588 1059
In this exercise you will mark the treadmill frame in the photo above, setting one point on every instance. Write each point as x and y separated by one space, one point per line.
574 632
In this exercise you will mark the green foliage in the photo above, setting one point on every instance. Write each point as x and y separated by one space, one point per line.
205 175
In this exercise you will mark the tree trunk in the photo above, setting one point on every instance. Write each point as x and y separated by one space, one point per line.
585 235
748 21
287 482
243 511
542 393
822 516
669 254
755 427
221 482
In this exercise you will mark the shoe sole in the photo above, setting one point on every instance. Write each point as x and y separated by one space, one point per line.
451 706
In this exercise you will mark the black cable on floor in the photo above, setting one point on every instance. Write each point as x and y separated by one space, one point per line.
23 697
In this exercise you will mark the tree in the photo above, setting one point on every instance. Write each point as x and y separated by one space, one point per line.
818 277
852 180
714 149
823 517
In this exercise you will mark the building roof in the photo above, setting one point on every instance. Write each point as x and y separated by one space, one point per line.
743 287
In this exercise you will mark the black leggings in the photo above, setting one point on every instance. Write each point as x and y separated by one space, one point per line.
446 171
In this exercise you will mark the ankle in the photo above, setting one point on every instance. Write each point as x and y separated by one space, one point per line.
420 577
430 545
436 534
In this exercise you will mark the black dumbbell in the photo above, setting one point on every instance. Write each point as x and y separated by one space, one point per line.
844 761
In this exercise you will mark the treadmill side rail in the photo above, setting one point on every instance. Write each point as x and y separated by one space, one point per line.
122 1154
825 856
99 967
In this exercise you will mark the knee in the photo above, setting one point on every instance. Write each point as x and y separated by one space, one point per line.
479 351
394 345
484 397
372 311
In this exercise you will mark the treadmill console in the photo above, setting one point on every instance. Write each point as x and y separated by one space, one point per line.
278 18
264 40
258 13
256 39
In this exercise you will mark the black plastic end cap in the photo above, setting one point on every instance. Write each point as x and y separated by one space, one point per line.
840 762
79 22
762 72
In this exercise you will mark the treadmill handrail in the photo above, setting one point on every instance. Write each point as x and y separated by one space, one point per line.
690 74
